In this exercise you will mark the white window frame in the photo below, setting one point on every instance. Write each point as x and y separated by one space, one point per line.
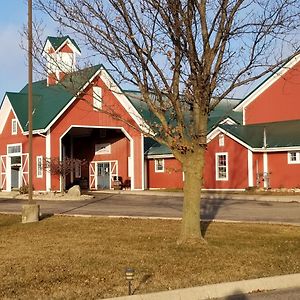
14 153
218 178
97 98
77 169
157 170
292 162
221 140
39 166
102 149
14 127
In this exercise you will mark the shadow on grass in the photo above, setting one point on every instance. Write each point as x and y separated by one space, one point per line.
44 216
144 279
209 210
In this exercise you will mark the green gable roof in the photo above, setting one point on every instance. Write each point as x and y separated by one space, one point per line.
278 134
56 42
222 111
48 101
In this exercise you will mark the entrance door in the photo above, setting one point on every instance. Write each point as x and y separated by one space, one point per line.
15 171
103 175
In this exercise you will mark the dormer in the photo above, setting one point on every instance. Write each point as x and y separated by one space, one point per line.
60 53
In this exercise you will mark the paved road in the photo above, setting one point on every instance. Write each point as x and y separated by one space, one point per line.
166 206
289 294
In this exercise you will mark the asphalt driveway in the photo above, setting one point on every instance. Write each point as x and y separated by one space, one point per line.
166 207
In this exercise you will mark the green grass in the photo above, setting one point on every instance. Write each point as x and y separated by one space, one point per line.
85 258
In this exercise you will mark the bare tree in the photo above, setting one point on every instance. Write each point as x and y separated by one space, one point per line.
62 168
184 56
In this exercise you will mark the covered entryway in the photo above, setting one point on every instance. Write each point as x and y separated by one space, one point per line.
106 153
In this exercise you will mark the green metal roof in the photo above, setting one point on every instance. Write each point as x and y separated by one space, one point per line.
48 101
222 111
278 134
56 42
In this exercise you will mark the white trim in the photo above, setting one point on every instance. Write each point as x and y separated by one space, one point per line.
48 156
14 126
143 162
39 172
228 121
250 168
217 166
16 153
221 140
270 81
5 110
244 116
154 156
217 130
111 169
293 162
120 96
266 170
156 170
131 140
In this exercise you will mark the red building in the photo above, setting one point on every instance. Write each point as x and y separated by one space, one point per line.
253 142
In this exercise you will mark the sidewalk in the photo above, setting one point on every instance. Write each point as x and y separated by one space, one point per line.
221 290
158 193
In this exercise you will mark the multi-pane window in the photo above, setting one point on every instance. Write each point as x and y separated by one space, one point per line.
159 165
14 127
294 157
39 166
221 166
14 149
97 97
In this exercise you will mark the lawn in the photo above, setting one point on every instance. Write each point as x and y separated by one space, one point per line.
85 258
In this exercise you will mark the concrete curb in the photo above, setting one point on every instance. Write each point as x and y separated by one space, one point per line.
223 289
210 196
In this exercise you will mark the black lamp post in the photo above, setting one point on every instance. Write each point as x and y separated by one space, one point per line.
129 273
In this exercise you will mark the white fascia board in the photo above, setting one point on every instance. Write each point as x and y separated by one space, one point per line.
218 130
271 80
5 110
228 121
118 93
71 46
106 78
279 149
155 156
71 102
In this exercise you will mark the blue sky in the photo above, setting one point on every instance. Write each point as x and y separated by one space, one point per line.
13 61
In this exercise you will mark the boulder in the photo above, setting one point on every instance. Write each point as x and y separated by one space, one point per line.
74 191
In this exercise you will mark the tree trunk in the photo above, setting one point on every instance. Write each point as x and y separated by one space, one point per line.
193 171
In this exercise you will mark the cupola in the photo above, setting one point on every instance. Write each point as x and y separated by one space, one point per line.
60 53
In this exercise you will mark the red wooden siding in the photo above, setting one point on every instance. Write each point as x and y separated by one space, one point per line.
237 165
81 113
283 174
280 102
171 178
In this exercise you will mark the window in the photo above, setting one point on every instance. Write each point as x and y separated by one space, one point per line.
221 140
97 97
159 165
103 148
77 169
14 149
39 166
294 157
221 166
14 127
